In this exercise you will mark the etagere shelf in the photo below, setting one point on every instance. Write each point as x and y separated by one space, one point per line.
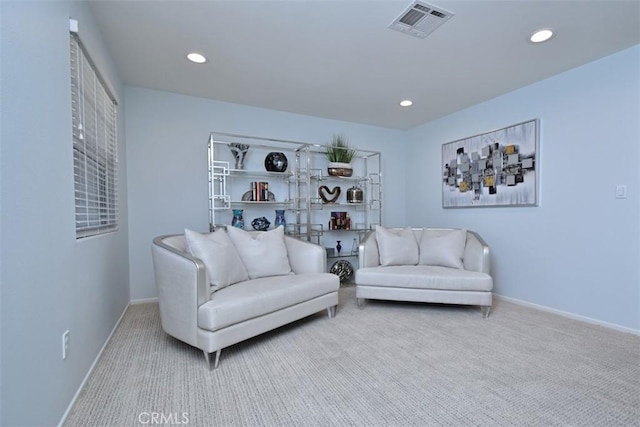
295 190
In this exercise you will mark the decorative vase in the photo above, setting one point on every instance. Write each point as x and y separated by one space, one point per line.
280 219
260 224
338 247
339 169
239 152
238 220
355 195
354 247
275 162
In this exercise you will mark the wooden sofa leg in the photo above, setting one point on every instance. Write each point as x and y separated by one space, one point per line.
485 309
207 357
331 311
361 302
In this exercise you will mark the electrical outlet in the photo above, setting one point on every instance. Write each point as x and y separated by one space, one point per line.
621 191
65 344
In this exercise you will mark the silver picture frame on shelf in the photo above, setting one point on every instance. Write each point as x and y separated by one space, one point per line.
491 169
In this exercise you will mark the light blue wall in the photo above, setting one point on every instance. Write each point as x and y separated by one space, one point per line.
49 282
167 159
578 251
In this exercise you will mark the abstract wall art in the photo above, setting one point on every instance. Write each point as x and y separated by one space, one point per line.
496 168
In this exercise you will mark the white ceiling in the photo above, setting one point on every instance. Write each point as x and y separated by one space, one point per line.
338 60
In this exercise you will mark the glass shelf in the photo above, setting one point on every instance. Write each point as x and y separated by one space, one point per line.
257 173
301 229
342 255
351 230
250 202
320 205
339 178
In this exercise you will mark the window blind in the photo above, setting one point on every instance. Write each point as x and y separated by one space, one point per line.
95 154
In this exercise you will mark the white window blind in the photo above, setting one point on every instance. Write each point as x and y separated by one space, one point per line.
95 154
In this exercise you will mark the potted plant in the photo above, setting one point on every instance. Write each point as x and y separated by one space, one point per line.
340 156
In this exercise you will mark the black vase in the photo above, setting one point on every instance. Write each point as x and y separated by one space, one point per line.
275 162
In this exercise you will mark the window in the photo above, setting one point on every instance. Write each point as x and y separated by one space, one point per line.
95 154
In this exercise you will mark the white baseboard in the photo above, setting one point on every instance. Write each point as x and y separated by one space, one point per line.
93 365
143 301
570 315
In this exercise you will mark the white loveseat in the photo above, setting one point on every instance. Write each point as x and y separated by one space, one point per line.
217 289
435 265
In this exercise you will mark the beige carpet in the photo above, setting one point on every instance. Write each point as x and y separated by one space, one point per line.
391 364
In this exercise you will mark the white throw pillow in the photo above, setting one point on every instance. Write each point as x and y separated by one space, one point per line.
397 247
221 260
263 254
443 247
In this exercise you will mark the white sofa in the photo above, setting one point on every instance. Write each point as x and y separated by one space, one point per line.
451 267
203 303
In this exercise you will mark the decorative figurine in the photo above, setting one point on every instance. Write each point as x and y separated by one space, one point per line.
239 152
331 195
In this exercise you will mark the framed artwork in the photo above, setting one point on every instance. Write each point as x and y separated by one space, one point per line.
496 168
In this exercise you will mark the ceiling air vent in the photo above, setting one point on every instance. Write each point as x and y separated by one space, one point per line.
420 19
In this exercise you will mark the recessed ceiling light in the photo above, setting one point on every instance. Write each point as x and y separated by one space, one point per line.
197 58
406 103
541 36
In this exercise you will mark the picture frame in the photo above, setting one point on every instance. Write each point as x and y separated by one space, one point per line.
493 169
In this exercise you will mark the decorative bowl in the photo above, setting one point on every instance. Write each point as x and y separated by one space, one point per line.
340 169
260 224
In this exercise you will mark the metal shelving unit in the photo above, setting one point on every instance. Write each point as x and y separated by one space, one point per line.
296 190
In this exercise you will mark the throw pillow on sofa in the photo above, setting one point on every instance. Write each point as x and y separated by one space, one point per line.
443 248
264 253
221 260
397 247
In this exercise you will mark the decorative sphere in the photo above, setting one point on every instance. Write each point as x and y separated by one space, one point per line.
343 269
276 162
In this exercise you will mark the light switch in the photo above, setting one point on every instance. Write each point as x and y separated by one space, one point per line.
621 191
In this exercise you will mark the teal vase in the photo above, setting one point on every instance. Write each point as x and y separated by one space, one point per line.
238 220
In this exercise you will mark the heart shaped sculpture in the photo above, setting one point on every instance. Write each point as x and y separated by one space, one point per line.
331 196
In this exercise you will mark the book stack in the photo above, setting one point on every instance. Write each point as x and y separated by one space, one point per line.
340 221
259 191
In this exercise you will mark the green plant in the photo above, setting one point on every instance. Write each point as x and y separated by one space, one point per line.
339 151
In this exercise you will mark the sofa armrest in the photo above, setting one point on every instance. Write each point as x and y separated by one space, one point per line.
182 287
305 257
368 253
476 253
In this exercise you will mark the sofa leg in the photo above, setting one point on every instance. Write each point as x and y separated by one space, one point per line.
207 357
361 302
485 309
331 311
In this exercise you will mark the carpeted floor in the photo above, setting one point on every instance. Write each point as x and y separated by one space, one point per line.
390 364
